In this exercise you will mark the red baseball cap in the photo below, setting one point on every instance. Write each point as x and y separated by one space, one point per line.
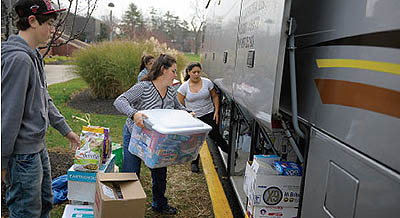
26 8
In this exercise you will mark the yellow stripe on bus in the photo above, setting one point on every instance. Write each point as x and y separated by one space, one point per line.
220 203
360 64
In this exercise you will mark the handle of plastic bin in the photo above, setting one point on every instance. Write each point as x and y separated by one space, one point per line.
148 124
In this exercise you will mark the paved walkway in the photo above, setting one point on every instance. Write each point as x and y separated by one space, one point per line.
59 73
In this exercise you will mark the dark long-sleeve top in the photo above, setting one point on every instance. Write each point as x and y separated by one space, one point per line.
145 96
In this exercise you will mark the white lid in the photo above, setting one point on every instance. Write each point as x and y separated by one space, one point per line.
168 121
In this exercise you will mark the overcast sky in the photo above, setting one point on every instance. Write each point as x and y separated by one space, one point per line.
180 8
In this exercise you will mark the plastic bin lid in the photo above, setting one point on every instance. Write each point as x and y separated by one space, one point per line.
169 121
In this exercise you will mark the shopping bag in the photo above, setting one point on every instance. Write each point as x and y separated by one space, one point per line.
94 149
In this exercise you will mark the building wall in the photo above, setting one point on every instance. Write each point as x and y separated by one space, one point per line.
64 50
91 32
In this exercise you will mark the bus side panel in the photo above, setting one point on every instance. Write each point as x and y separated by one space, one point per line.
321 21
353 93
341 182
261 47
205 55
224 35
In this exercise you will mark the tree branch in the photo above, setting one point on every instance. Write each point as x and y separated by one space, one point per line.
62 23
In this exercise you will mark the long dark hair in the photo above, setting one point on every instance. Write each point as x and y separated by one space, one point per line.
145 60
189 68
164 60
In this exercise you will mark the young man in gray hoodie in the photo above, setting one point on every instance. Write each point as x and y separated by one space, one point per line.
26 111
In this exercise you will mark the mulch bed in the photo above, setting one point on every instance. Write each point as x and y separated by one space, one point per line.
85 102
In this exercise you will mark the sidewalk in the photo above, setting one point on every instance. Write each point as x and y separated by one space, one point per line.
59 73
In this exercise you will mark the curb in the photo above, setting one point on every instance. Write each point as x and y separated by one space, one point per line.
218 198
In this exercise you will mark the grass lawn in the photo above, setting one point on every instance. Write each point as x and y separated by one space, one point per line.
56 58
185 190
61 93
192 57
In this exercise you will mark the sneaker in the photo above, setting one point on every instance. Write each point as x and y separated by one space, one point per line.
168 210
195 168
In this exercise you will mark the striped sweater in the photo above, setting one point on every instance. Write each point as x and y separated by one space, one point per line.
145 96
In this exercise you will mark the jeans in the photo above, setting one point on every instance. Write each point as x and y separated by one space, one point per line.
214 134
28 185
132 163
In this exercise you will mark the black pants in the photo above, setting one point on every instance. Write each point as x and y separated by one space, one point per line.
214 134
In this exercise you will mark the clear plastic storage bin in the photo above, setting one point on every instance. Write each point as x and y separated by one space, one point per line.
169 137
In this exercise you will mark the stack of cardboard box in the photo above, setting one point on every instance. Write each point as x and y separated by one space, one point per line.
107 194
116 195
81 185
269 194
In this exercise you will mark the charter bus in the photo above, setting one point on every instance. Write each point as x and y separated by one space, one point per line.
317 83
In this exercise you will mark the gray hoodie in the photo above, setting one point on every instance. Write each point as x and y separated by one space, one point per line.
26 107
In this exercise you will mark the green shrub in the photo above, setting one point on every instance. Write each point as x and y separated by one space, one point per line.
52 59
110 68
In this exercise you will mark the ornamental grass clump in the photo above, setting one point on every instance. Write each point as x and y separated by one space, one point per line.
111 68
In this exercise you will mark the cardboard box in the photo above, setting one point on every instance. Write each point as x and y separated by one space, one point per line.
253 211
82 185
73 211
271 190
259 167
119 195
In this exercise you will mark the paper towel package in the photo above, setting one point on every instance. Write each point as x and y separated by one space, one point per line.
169 137
82 185
73 211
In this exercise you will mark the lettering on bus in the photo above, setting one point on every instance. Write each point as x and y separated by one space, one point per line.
246 42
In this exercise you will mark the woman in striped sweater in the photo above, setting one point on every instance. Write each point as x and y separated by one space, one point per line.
153 92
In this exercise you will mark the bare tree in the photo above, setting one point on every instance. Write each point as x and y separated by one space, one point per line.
197 22
74 7
112 24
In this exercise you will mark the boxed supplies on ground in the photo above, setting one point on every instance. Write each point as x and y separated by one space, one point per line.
94 149
260 167
119 195
253 211
73 211
169 137
81 185
271 190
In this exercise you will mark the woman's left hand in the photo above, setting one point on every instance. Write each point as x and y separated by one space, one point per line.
216 117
